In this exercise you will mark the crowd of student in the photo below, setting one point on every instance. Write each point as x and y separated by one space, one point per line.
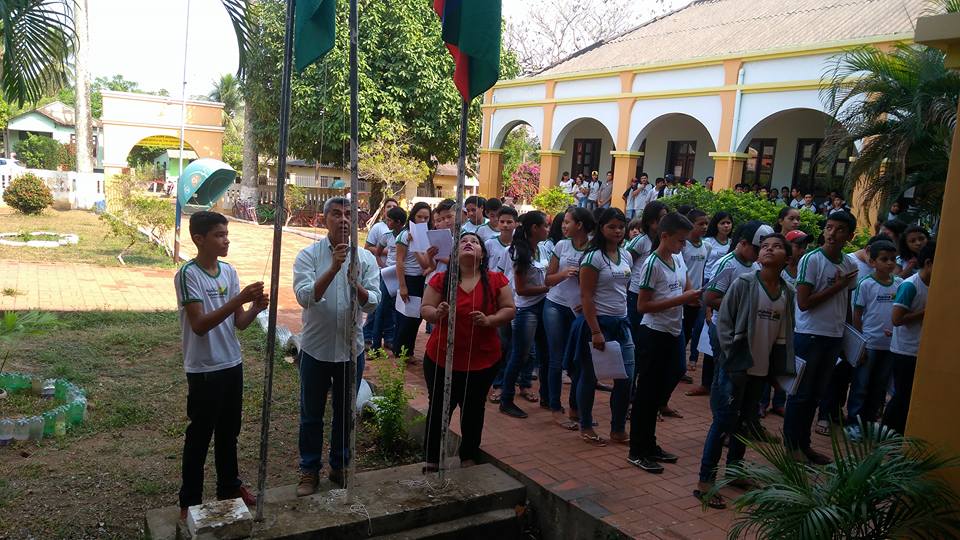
554 299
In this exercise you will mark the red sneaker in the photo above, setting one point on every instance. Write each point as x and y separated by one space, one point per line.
242 493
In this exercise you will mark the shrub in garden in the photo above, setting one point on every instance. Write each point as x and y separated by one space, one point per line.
39 152
553 201
524 183
742 207
28 194
392 400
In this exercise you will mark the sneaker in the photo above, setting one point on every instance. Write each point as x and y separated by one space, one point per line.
510 409
338 477
854 433
779 411
308 483
242 492
663 457
183 516
645 464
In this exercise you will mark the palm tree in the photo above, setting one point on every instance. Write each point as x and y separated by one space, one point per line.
902 105
227 91
37 36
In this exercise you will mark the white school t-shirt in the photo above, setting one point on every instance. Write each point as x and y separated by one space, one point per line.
729 268
639 248
912 295
485 232
695 258
876 300
717 251
411 266
567 292
378 230
219 348
536 277
389 240
820 272
791 280
471 227
665 282
769 328
495 251
613 277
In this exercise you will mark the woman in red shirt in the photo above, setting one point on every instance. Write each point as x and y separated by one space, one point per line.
484 302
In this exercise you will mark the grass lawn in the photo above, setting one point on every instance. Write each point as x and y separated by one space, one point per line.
100 479
96 245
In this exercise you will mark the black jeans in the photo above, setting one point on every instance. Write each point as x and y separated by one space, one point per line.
831 406
895 415
657 360
405 335
468 390
214 404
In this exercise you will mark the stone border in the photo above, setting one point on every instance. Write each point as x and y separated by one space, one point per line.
65 240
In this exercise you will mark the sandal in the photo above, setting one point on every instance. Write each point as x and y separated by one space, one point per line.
823 428
495 397
530 396
594 440
569 425
715 502
691 366
698 391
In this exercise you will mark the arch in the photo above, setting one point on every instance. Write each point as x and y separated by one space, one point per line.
568 117
755 109
647 114
504 120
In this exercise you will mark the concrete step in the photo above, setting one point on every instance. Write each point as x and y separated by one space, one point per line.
501 524
387 501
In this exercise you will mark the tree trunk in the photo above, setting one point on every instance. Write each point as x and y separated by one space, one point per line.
86 153
249 178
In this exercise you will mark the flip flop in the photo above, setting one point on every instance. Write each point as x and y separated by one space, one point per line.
715 502
823 428
529 396
594 440
671 413
495 397
569 425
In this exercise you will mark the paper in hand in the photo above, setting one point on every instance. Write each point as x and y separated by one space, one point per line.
389 275
854 345
410 308
790 384
420 240
442 239
608 363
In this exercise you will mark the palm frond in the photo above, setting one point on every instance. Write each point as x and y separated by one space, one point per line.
938 7
37 37
238 11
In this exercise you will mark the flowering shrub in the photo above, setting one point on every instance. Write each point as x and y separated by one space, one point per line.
524 183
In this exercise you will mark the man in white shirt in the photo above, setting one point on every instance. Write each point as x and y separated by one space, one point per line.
321 284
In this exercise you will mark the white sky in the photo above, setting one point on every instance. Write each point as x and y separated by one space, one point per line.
143 40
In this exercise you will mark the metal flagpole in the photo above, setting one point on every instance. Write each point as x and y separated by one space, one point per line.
453 275
353 270
183 122
275 267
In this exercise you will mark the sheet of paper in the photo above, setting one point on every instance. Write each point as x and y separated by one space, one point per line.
791 384
443 240
410 308
389 275
420 239
608 363
703 344
854 345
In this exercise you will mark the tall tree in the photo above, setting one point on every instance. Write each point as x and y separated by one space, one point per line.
83 119
226 90
37 38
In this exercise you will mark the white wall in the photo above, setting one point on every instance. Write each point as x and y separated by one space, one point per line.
677 128
604 86
678 79
504 120
798 68
587 129
706 109
787 128
513 94
565 118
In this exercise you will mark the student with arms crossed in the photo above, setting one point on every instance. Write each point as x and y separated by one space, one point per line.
323 289
755 333
824 280
211 309
663 292
872 315
909 307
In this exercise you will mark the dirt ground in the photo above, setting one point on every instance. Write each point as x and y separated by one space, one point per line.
98 480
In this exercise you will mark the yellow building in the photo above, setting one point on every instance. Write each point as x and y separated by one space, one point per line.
722 88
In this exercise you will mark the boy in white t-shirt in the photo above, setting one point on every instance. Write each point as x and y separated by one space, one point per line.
695 255
211 309
497 246
473 214
824 281
872 315
663 292
909 307
373 246
384 318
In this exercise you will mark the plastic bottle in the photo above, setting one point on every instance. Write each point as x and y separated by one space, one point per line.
6 431
21 429
49 423
60 426
60 389
36 427
75 411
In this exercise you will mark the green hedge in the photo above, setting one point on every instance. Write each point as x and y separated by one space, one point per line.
742 207
28 194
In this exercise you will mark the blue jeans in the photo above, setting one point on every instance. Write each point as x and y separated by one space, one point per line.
869 388
586 388
733 399
317 379
895 415
528 331
506 338
383 319
821 354
558 319
695 327
779 397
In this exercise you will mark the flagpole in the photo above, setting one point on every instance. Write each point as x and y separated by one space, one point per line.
178 217
453 274
353 270
275 267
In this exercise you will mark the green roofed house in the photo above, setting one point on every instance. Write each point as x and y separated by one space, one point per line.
54 120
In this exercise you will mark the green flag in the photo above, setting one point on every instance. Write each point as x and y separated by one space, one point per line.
314 31
471 30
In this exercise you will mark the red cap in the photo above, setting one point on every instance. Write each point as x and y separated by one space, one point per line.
797 236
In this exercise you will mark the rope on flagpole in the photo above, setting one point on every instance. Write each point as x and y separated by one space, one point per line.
275 267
